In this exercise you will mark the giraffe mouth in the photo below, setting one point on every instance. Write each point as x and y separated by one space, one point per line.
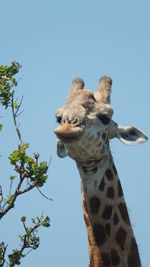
68 133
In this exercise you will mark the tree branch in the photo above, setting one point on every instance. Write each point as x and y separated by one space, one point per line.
14 117
25 166
43 194
14 196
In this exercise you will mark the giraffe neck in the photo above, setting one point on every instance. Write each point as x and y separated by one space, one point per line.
92 172
111 240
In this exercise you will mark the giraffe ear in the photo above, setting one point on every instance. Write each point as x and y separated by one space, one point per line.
61 149
130 135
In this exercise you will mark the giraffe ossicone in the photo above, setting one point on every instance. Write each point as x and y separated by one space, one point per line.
84 131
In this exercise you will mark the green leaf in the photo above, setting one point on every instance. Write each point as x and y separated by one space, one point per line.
12 177
9 199
1 127
7 81
36 155
11 71
29 160
14 157
19 154
15 258
44 166
15 105
34 167
42 181
28 230
24 147
23 218
3 70
46 222
2 249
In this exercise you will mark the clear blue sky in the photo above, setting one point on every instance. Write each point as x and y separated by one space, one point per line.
56 41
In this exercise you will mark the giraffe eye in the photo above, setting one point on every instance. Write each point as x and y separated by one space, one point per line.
103 118
58 119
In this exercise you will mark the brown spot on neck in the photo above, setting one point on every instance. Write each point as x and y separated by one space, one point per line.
120 192
115 259
133 257
108 229
102 185
115 219
94 204
99 234
107 212
121 237
124 213
109 174
106 259
110 192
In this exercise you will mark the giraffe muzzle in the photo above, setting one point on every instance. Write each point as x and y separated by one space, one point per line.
68 132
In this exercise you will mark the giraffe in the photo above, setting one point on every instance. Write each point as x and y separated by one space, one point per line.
84 133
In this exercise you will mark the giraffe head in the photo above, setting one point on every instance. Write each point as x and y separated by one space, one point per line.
86 125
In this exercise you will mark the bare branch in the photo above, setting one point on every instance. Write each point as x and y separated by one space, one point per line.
28 188
50 159
17 193
16 113
43 194
1 197
11 182
14 118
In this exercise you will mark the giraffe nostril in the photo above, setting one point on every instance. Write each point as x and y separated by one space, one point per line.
65 120
68 120
76 121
